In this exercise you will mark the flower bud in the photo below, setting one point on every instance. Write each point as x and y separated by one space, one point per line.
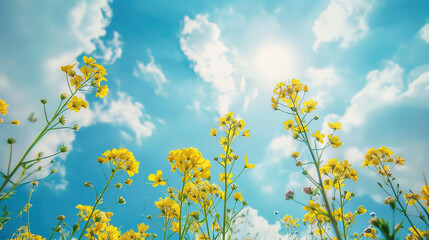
43 101
35 183
307 190
75 228
149 217
11 141
62 120
316 117
234 186
64 96
289 195
54 170
61 217
87 184
245 203
15 122
118 185
216 158
295 155
298 163
228 210
154 235
76 127
390 201
63 149
121 200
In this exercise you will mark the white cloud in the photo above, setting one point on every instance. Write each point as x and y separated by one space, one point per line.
279 148
424 32
111 51
255 227
343 20
195 106
251 96
327 76
152 73
125 111
419 88
200 42
126 136
382 87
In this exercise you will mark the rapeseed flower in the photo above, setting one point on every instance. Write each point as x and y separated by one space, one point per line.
3 107
157 179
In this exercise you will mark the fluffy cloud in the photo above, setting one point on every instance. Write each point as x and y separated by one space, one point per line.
125 111
152 73
255 227
383 86
344 21
200 42
111 50
424 32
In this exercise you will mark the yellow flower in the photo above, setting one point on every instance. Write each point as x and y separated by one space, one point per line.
88 60
309 106
295 155
274 103
335 126
318 136
288 124
361 210
228 177
86 71
102 91
67 68
76 81
175 227
246 164
157 179
3 107
237 197
246 133
335 141
15 122
411 198
128 181
312 207
142 227
77 103
213 132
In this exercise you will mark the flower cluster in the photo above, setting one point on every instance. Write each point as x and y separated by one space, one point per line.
92 76
189 162
122 159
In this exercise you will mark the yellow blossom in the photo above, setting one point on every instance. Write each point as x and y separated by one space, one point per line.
335 141
128 181
77 103
318 136
228 177
310 105
15 122
102 91
3 107
157 179
237 197
213 132
246 164
335 125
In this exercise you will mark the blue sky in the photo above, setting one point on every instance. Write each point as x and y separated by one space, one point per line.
175 67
